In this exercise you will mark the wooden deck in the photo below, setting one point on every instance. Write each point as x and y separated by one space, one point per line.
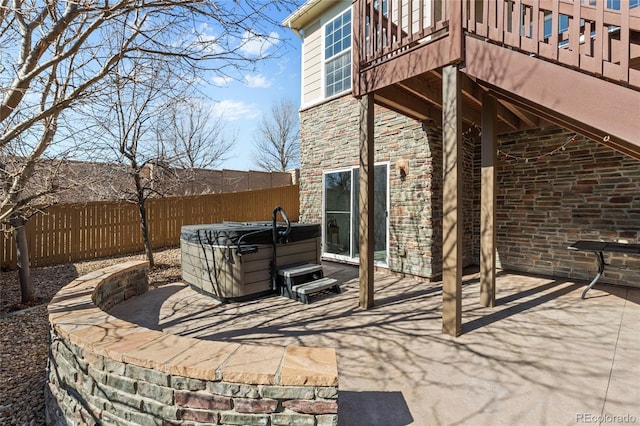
498 66
579 76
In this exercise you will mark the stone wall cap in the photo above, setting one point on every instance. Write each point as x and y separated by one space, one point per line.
75 317
201 360
112 329
157 352
253 364
304 366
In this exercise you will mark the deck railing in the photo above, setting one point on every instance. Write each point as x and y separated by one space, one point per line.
386 30
586 35
582 34
391 27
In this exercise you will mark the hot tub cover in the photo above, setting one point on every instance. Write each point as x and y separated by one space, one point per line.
228 233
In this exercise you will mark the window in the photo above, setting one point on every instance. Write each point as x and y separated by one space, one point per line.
563 25
337 54
616 4
341 237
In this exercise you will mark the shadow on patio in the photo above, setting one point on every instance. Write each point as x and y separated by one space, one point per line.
541 356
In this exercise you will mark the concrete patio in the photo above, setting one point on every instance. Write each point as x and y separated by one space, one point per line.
541 356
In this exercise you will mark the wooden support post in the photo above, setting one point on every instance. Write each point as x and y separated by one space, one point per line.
488 202
452 201
365 197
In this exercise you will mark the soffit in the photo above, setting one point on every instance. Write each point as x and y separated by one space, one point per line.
307 13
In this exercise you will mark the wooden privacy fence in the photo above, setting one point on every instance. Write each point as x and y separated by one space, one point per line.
71 232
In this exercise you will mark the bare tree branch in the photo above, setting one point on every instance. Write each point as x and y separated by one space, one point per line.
61 51
277 138
197 138
58 57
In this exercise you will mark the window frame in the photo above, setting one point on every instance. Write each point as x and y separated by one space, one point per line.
336 56
354 198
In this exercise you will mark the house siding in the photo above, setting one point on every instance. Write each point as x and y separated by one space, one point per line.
313 55
312 65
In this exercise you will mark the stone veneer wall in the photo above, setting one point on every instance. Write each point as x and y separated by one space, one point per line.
103 370
329 141
587 191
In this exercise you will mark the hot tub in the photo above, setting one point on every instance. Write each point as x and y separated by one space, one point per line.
234 261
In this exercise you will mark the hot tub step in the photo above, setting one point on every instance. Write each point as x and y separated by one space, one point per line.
303 291
298 270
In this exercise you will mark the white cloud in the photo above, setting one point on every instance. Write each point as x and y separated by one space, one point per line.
258 45
231 110
221 80
257 80
208 43
203 27
206 39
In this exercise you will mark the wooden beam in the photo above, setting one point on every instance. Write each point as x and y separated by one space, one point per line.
475 92
584 129
488 202
441 51
435 115
529 119
472 92
366 202
452 202
421 88
559 90
416 95
405 103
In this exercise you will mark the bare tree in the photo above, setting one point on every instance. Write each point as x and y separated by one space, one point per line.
158 137
56 56
197 137
131 116
277 138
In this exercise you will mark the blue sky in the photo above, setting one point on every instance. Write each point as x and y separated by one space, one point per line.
243 101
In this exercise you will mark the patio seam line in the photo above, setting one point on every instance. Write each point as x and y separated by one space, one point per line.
615 351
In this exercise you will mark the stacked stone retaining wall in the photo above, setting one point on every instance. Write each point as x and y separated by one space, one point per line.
103 370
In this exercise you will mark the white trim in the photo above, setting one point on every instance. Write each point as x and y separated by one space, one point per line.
288 21
302 73
323 47
325 254
320 101
350 259
293 20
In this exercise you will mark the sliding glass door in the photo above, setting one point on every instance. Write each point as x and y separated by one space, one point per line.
337 213
341 238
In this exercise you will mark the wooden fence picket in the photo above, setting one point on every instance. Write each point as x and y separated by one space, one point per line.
72 232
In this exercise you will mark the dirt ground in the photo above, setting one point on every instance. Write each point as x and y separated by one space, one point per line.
24 330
